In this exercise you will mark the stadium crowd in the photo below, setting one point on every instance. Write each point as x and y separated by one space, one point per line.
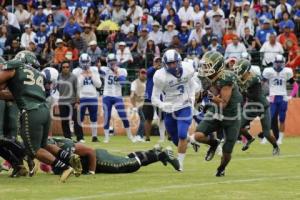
61 30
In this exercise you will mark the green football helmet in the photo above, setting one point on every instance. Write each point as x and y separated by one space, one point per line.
28 58
211 63
241 67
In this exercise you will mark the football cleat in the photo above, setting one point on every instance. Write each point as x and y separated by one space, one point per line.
18 171
195 146
31 166
170 158
95 139
66 174
211 151
75 163
246 146
276 151
220 173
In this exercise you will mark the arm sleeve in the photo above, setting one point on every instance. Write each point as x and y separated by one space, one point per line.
157 91
96 80
266 74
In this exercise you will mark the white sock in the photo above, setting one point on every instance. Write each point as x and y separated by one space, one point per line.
162 130
94 129
106 133
191 138
128 132
181 159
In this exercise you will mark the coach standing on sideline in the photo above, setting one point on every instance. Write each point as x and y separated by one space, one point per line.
68 99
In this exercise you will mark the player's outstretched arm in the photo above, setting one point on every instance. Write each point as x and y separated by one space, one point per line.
82 150
5 75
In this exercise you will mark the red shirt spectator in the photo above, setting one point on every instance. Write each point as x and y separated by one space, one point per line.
285 36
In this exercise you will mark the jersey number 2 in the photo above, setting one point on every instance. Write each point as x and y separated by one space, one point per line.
39 81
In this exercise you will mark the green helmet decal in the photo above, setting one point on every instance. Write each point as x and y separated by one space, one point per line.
241 67
28 57
212 63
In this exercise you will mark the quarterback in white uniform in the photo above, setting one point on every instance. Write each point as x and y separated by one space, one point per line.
88 82
176 84
114 78
278 76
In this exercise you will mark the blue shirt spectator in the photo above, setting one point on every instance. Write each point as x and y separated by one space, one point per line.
173 17
41 36
39 18
194 50
184 34
72 27
265 31
215 46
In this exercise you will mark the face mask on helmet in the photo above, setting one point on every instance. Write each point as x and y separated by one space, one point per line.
206 69
85 61
172 63
278 63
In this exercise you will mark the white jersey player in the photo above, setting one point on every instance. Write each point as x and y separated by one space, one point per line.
175 82
278 76
88 82
114 78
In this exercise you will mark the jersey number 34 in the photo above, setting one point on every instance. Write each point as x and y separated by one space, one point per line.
30 79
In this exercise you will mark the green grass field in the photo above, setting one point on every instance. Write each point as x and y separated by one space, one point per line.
254 174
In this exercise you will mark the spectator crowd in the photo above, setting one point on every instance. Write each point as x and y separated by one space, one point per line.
61 30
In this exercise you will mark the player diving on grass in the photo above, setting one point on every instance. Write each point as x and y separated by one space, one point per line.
224 112
101 161
175 83
256 104
26 84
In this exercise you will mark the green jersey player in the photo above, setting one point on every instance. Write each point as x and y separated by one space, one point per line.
256 104
26 85
224 112
101 161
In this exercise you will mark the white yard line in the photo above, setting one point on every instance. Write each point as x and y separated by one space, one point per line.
171 187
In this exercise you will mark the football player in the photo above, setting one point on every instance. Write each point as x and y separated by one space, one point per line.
224 112
176 85
88 83
27 87
277 77
101 161
256 104
114 79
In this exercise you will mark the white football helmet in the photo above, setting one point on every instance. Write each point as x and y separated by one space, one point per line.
50 80
85 61
279 62
111 60
172 56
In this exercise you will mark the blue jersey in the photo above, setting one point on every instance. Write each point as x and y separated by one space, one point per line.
38 19
85 5
184 37
263 35
71 29
40 39
72 5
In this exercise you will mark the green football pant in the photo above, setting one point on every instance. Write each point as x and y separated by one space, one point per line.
35 125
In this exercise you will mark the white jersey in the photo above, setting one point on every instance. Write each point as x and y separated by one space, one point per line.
177 93
112 86
87 85
277 81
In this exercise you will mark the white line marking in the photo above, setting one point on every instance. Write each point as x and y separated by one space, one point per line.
171 187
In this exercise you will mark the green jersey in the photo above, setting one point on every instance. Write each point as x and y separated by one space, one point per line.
105 162
228 78
27 85
253 91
